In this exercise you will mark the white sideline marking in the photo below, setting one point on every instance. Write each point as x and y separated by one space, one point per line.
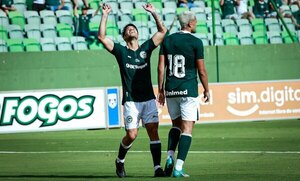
192 152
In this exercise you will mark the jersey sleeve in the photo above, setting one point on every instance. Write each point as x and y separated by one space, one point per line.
149 45
199 49
117 48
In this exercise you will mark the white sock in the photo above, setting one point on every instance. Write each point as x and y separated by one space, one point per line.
119 160
179 164
126 147
156 167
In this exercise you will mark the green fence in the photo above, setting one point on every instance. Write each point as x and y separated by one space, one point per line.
70 69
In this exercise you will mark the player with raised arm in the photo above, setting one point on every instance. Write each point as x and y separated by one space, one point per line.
138 96
181 55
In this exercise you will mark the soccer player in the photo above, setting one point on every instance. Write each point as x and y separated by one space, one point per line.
180 59
138 97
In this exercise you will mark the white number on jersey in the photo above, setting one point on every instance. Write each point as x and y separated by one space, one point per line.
176 65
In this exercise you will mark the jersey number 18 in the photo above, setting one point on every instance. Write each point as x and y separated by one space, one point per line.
176 65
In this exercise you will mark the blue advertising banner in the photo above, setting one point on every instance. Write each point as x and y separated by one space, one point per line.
113 107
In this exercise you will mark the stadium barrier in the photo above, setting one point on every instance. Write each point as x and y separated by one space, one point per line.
95 108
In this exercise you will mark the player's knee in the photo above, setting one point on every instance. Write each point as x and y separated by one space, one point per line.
132 135
187 127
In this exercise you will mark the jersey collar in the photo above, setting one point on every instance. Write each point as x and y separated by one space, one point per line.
184 31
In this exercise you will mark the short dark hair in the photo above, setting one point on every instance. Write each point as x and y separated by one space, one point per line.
124 29
85 8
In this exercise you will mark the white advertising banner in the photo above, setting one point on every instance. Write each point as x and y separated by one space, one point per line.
52 110
246 101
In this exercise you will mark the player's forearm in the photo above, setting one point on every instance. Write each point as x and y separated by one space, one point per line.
102 27
204 79
160 74
97 11
159 24
160 80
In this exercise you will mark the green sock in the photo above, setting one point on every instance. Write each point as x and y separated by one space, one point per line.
184 146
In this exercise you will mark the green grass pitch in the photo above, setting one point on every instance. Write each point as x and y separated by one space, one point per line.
264 150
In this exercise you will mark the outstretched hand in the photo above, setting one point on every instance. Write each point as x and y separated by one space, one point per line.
148 7
106 9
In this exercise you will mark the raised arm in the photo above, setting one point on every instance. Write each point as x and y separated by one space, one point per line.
160 76
203 78
75 11
86 4
98 9
108 43
158 37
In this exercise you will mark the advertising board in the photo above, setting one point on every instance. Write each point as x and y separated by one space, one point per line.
51 110
247 101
